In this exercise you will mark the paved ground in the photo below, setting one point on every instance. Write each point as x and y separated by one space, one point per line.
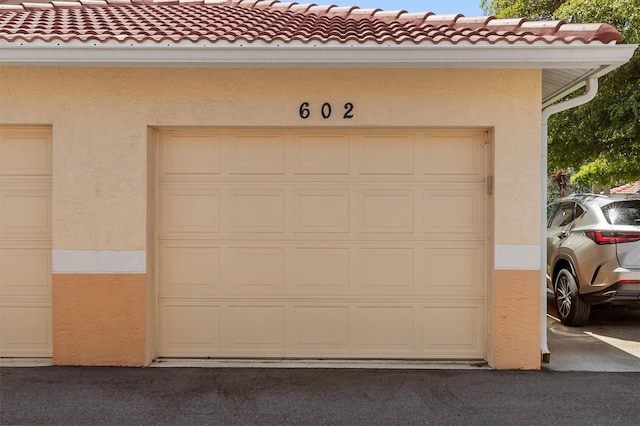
185 396
609 342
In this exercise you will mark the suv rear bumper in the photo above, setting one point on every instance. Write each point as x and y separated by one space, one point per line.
621 293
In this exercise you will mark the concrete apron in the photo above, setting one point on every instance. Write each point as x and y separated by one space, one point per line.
303 363
610 342
279 363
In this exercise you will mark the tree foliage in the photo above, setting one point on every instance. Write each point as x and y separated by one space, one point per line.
601 140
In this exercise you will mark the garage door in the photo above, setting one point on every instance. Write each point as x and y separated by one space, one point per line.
321 243
25 242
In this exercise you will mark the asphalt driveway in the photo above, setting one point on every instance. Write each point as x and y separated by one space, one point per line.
206 396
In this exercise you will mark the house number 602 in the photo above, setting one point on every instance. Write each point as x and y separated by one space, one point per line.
325 110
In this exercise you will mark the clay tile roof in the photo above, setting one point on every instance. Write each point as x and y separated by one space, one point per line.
474 22
630 188
437 20
271 21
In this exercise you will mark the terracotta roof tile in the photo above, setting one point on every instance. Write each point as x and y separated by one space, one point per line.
630 188
270 21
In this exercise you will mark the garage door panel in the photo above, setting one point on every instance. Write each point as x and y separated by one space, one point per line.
257 210
255 153
340 328
189 210
449 271
454 155
386 154
454 330
25 271
320 271
190 154
384 329
253 270
322 268
25 329
336 244
25 152
319 329
320 155
455 211
385 271
192 325
386 211
321 210
255 329
189 271
25 210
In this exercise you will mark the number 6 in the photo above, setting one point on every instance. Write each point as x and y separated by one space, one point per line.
304 110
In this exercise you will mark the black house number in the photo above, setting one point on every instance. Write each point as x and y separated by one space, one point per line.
325 111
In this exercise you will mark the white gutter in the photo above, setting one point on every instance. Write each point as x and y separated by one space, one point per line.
297 54
591 91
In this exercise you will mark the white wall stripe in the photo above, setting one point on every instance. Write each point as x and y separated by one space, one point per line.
519 257
98 262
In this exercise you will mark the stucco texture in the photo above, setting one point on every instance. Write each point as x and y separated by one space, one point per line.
99 319
517 320
100 119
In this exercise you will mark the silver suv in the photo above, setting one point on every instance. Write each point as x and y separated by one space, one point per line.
593 253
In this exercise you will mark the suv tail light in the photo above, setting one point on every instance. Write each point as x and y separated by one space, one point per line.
613 237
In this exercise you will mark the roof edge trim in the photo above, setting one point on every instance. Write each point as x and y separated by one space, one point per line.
288 55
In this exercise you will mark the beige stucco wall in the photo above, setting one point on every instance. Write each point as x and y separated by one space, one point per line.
100 120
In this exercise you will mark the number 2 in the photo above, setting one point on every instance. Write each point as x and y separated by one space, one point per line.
348 111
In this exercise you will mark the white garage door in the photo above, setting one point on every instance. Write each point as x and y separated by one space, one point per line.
25 242
322 243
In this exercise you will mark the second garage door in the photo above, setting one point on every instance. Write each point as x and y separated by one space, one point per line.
321 243
25 242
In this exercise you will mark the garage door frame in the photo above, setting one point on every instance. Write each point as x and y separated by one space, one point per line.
155 135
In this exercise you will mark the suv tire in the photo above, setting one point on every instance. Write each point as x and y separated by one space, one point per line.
571 309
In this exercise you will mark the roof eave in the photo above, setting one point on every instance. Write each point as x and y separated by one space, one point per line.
578 83
284 55
593 59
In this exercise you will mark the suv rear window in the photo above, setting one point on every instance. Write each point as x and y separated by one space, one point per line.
623 212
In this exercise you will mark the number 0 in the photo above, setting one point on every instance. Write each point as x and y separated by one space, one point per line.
326 110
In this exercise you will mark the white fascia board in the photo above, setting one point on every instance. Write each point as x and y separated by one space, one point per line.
316 55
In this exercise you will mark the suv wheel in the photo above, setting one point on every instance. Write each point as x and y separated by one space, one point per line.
572 310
